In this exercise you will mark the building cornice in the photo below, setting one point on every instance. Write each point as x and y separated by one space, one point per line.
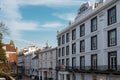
47 50
96 10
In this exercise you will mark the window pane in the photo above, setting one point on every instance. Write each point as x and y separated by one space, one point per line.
73 48
67 62
67 37
74 34
94 24
63 51
63 39
82 30
112 38
73 62
82 62
67 50
112 15
63 62
82 46
59 41
112 60
94 61
94 43
59 52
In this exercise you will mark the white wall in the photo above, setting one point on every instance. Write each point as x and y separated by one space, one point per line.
45 59
102 41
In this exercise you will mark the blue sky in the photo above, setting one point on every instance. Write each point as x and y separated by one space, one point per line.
33 22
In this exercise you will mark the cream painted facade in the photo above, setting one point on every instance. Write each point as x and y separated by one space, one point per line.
28 55
47 64
35 67
85 61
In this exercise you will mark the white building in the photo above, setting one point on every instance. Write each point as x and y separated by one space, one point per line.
89 48
47 64
28 55
21 63
35 66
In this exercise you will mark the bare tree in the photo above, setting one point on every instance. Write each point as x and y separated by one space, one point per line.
3 29
4 67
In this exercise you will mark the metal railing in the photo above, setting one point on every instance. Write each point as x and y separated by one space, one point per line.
88 69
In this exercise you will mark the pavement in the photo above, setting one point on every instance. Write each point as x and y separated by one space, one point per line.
26 78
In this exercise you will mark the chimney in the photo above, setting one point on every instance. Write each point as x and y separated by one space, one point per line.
96 5
101 1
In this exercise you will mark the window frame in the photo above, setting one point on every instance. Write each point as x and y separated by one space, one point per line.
81 32
67 50
63 61
67 37
73 63
63 51
59 62
67 63
94 67
73 34
95 36
59 52
110 45
74 44
92 27
81 46
63 39
109 23
109 57
59 41
82 66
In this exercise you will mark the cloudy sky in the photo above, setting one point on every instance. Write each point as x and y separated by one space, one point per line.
33 22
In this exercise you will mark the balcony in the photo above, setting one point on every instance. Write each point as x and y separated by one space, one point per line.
88 69
50 68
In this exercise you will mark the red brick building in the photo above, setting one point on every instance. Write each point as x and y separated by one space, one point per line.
12 56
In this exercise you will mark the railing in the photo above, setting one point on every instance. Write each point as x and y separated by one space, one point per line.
88 69
47 78
50 68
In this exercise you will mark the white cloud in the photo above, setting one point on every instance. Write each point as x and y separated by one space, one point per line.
20 42
66 16
10 9
23 25
52 25
50 3
10 14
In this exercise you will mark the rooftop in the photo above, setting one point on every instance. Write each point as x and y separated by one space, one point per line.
10 47
86 11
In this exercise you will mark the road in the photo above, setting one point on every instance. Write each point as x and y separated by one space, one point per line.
26 78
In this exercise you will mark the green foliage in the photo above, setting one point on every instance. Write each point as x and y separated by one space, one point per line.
2 53
3 30
4 67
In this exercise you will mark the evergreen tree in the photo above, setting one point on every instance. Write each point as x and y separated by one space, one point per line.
3 30
3 65
2 52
